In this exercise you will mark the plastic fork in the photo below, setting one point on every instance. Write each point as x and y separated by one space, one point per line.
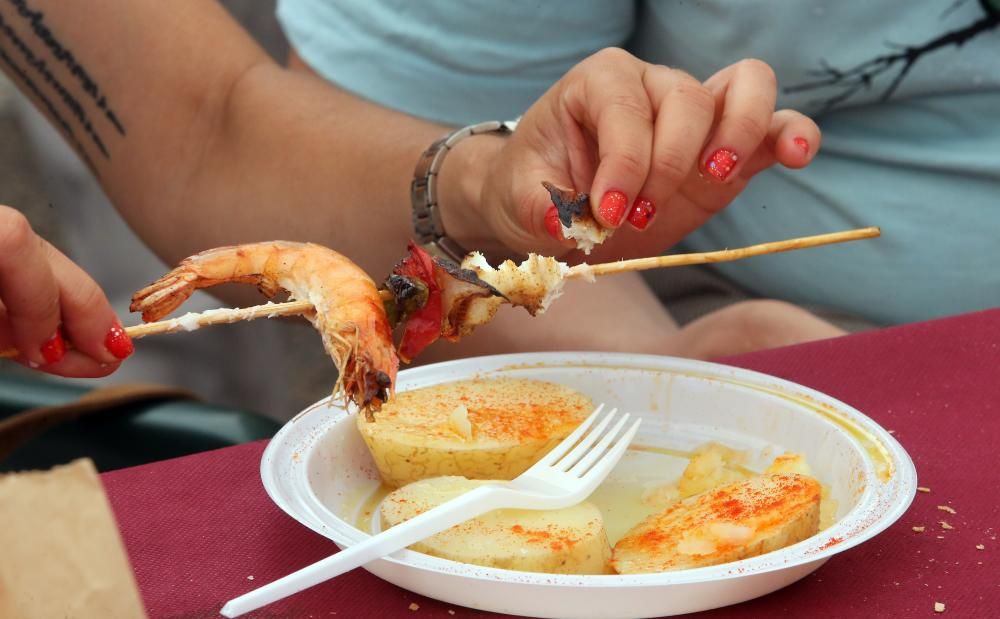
563 477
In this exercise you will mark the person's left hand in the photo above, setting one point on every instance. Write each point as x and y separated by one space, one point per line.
654 148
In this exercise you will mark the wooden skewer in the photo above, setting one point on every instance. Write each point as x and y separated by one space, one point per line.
225 315
192 321
724 255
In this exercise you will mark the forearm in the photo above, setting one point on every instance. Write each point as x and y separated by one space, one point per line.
295 158
200 140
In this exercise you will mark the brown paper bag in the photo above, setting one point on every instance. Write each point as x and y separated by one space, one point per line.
60 552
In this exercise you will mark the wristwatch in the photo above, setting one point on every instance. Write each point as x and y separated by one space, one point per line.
428 228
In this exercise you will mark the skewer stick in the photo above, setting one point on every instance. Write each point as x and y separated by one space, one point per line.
192 321
225 315
725 255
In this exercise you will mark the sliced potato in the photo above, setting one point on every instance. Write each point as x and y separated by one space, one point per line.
789 462
731 522
563 541
481 429
711 466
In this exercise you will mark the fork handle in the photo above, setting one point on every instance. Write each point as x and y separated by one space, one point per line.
456 511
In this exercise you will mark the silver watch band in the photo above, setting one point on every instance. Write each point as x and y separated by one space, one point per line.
427 225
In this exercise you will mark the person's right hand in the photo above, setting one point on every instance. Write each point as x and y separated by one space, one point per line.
51 311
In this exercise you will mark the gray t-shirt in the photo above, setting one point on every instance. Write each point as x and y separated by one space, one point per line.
921 159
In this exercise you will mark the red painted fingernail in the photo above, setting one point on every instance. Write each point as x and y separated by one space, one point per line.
721 163
118 342
803 144
54 348
552 224
613 206
642 212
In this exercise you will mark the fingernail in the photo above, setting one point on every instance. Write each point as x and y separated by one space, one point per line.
803 144
552 224
54 348
118 342
642 212
613 206
721 163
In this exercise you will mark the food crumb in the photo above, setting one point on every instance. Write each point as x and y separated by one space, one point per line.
946 526
938 607
919 529
414 606
946 508
451 612
980 547
250 577
923 489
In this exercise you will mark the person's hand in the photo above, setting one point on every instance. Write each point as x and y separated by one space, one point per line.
657 151
51 311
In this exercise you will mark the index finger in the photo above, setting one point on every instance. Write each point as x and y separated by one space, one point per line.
89 321
613 103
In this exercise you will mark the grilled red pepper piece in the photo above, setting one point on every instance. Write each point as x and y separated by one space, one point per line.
423 326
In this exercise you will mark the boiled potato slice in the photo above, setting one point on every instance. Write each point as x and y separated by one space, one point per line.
481 429
731 522
711 465
789 462
562 541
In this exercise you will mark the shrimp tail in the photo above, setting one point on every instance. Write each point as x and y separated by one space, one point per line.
164 295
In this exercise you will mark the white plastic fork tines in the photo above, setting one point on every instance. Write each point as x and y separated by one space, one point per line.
563 477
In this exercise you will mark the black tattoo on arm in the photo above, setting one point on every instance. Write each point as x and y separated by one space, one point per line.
37 75
64 56
56 116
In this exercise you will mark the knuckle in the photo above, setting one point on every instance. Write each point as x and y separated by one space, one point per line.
694 93
35 309
670 164
608 60
752 127
760 70
88 295
613 55
631 105
632 163
15 231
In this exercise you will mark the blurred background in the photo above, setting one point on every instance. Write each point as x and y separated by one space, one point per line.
275 367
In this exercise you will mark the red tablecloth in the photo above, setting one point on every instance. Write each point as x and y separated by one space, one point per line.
200 530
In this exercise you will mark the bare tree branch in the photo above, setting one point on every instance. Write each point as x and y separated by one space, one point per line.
863 75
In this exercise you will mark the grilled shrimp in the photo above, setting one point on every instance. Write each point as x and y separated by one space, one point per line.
348 309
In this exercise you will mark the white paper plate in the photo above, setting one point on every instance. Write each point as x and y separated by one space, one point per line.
318 470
